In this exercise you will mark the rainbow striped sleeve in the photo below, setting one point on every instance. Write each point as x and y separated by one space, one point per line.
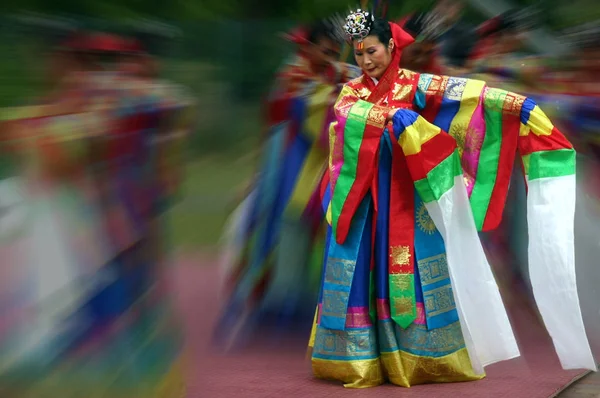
354 140
431 154
544 149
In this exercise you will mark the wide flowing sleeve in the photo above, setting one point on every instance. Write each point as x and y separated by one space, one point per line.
484 122
490 126
549 165
354 138
434 163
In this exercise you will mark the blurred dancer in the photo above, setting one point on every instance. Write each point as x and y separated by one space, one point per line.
62 244
135 192
408 295
422 55
114 334
273 263
498 56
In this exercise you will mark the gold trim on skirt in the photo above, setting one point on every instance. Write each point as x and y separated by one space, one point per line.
399 368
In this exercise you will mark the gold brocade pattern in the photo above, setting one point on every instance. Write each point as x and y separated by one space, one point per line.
513 104
439 301
345 102
402 284
403 305
354 374
363 93
473 140
459 133
433 269
405 369
424 221
402 92
494 99
377 116
337 272
400 255
407 74
357 343
437 86
418 339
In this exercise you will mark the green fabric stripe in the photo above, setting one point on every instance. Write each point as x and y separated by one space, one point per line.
557 163
440 179
489 156
399 296
353 136
525 159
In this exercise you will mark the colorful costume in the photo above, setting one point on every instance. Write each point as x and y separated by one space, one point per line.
408 295
93 317
281 225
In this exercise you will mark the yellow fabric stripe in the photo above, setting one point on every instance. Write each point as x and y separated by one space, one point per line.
312 169
354 374
328 214
539 123
399 367
313 331
405 369
417 134
308 180
468 104
317 110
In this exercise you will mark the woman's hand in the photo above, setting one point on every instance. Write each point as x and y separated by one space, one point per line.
390 115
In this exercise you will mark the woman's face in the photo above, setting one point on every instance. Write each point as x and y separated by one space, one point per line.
374 57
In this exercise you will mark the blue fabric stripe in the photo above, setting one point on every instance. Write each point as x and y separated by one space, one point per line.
359 292
382 226
326 198
429 244
336 292
325 254
448 110
526 108
343 357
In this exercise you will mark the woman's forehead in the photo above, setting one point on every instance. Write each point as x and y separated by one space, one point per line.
371 41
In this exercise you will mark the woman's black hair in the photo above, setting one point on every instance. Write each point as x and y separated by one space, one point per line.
381 28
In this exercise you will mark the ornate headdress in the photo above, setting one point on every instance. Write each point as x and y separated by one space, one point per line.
358 26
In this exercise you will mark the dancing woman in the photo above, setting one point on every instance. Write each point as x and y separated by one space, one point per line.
418 164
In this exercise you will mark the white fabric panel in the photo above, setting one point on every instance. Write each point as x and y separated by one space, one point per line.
550 217
486 328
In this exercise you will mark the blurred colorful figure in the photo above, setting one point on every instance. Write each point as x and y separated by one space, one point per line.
93 313
274 271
